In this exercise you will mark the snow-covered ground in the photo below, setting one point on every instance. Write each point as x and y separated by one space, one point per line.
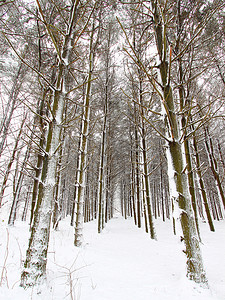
121 263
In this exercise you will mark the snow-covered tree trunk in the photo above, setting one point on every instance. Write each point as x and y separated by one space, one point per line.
82 168
76 180
137 175
108 188
103 154
132 180
102 171
36 257
185 105
145 163
195 270
57 205
39 163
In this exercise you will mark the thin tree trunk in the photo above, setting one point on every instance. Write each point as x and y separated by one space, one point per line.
144 206
121 198
103 155
107 189
137 174
76 180
132 183
145 161
56 206
221 155
78 236
202 185
167 197
24 215
102 167
161 188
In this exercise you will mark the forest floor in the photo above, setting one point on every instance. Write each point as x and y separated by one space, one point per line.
121 263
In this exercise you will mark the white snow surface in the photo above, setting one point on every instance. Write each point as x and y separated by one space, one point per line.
121 263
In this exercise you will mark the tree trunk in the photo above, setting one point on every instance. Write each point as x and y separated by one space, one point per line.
202 185
81 171
36 257
38 167
102 167
25 209
132 183
137 175
144 206
195 270
76 180
145 171
183 119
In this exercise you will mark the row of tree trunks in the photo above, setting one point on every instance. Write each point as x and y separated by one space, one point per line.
213 164
143 193
11 161
17 186
12 101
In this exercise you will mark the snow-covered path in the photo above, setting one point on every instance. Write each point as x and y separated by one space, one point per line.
125 264
121 263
